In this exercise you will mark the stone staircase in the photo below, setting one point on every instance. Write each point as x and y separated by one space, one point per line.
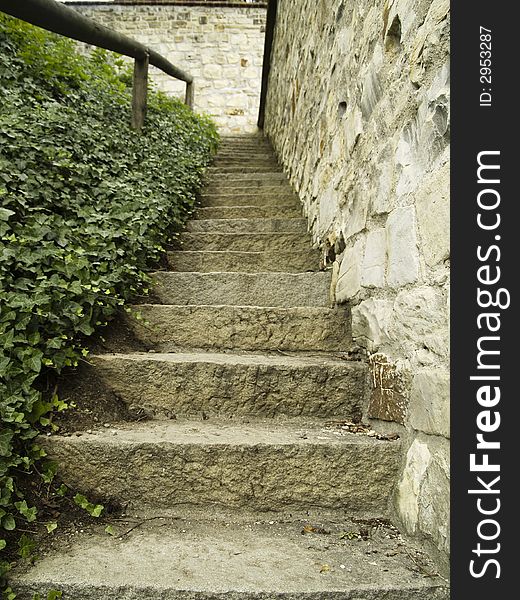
244 481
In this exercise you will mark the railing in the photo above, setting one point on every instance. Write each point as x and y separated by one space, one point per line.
53 16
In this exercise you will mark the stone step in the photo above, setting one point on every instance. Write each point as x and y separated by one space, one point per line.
225 169
243 289
255 179
297 225
234 143
240 181
168 328
245 262
245 160
248 242
281 211
244 150
209 557
270 386
258 197
253 464
245 157
282 189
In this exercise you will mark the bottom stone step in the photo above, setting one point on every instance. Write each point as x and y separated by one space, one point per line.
172 558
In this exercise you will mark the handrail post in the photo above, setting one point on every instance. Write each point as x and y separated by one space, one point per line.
139 92
55 16
190 94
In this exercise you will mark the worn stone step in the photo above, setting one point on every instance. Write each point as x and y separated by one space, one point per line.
233 142
248 242
209 557
245 150
246 262
249 181
245 160
189 384
264 225
257 197
251 464
229 170
255 179
168 328
282 211
243 289
245 157
243 189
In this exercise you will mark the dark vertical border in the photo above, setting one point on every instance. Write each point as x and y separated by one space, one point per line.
475 129
272 10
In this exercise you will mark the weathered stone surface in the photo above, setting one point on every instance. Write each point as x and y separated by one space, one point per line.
222 162
420 320
433 217
235 384
242 328
349 278
374 261
243 289
225 170
370 322
428 35
222 47
194 558
353 128
259 197
254 180
231 464
389 398
430 401
240 187
422 502
246 242
403 255
234 153
248 179
289 210
245 262
249 225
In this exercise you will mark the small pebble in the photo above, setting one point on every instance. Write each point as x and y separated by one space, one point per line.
106 424
342 567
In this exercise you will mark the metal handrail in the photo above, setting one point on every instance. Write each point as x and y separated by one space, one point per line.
54 16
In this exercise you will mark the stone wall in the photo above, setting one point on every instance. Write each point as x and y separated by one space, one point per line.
221 46
358 113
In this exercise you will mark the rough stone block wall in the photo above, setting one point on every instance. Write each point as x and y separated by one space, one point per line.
221 46
358 112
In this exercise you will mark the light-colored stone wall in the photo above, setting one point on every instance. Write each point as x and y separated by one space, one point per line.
222 47
358 113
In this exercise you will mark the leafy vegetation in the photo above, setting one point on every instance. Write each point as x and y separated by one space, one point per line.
85 207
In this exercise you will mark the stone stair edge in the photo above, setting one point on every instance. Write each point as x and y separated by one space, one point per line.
75 569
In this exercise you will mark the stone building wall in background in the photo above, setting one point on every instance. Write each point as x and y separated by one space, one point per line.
358 113
221 46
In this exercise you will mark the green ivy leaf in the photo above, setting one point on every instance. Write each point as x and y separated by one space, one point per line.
51 527
28 513
8 523
26 546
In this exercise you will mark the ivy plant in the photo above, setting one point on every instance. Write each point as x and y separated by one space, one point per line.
86 206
